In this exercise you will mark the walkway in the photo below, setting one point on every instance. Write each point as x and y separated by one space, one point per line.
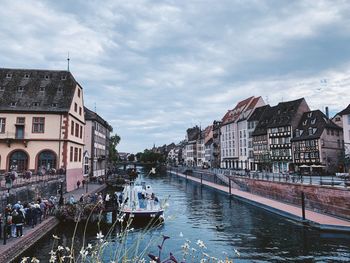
314 219
16 246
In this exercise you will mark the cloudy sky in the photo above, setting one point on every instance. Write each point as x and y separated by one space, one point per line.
154 68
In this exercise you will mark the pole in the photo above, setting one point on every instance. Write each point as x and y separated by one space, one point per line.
201 179
229 185
303 205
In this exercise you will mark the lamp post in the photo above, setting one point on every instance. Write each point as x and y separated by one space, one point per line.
61 193
8 185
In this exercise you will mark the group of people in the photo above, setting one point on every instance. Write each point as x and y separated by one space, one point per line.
27 214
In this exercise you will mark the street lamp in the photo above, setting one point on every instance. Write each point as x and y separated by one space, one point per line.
60 202
8 185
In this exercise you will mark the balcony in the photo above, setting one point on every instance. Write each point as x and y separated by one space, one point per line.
13 137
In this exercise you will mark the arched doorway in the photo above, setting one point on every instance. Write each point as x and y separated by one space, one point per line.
18 161
47 160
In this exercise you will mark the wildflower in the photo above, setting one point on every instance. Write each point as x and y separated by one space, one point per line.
52 259
83 253
89 246
68 249
24 259
35 260
55 237
59 248
52 253
99 235
201 244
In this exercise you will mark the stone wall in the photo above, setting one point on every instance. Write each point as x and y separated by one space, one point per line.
324 199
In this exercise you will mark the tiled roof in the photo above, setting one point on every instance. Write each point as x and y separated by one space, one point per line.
90 115
233 115
258 112
284 112
346 111
261 127
36 90
316 120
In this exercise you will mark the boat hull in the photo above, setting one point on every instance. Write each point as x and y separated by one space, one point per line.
143 217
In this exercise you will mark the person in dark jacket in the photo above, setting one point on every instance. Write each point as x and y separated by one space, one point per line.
18 220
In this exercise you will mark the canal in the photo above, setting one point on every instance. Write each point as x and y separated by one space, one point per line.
224 224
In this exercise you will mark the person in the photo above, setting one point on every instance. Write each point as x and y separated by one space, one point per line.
18 221
83 183
81 200
78 184
72 200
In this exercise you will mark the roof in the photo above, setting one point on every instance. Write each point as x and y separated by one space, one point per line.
193 133
261 127
36 90
258 112
284 113
93 116
316 120
233 115
346 111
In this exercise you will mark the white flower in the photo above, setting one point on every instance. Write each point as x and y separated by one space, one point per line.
89 246
52 259
83 252
68 249
201 244
35 260
52 253
55 237
24 259
99 235
59 248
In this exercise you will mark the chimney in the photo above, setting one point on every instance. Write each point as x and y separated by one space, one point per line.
327 112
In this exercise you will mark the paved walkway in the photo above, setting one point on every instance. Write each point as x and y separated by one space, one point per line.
318 220
16 246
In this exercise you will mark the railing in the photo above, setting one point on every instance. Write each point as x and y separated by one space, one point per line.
341 180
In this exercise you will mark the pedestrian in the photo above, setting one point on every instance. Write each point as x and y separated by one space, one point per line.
81 200
18 221
72 200
38 212
83 183
78 184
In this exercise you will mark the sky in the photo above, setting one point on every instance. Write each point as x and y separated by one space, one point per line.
152 69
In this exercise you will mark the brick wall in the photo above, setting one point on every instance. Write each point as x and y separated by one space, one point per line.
325 199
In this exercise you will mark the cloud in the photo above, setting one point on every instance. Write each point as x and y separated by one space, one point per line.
152 69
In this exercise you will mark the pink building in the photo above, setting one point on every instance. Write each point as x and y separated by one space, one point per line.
41 122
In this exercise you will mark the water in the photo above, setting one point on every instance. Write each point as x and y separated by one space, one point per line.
224 225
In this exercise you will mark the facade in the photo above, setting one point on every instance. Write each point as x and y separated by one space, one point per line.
284 119
208 146
97 139
41 122
200 149
256 146
192 135
317 143
234 134
342 119
216 161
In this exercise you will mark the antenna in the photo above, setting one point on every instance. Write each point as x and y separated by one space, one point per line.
95 107
68 59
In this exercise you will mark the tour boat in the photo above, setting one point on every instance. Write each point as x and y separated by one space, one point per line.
139 203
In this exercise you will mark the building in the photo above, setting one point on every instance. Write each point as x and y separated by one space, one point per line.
200 149
285 118
342 119
253 121
208 146
41 122
216 144
234 133
97 140
192 135
317 143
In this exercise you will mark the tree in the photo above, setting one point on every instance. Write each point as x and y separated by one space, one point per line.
113 153
131 157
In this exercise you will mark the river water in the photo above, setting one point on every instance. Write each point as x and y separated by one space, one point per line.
224 224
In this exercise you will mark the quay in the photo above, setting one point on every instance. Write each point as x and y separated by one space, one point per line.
314 219
16 246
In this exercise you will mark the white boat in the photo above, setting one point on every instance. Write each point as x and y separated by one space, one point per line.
139 202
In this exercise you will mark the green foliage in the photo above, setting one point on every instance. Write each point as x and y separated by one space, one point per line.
131 157
151 157
113 153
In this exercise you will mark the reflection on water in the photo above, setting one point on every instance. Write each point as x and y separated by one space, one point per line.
224 224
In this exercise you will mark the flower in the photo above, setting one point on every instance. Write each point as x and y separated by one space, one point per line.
59 248
52 259
89 246
99 235
24 259
55 237
35 260
83 252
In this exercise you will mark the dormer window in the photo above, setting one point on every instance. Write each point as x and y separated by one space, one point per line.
20 89
41 89
59 90
305 123
13 104
47 77
64 77
309 114
54 105
297 134
8 75
313 121
311 131
26 76
36 104
2 88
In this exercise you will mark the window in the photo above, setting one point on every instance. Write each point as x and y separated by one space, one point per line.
79 154
310 131
38 125
72 128
35 104
79 93
2 125
63 77
20 89
76 130
71 154
349 119
26 76
20 120
54 105
81 132
47 77
8 75
75 107
80 110
59 90
42 89
13 104
75 154
2 88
